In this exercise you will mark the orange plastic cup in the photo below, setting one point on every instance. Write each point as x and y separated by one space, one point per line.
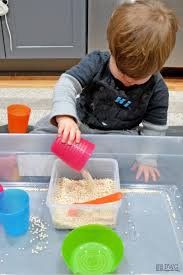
18 118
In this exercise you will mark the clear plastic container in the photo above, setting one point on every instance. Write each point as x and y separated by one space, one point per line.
85 214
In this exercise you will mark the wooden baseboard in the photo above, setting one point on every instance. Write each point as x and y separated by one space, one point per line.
48 81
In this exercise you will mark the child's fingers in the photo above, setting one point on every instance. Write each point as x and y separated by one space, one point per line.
72 136
78 136
139 173
65 135
60 129
146 175
157 172
153 174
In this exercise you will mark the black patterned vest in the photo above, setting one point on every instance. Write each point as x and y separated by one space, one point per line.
107 104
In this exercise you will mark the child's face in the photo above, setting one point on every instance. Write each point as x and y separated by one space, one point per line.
126 80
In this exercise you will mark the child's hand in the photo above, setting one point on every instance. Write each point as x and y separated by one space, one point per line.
68 130
148 172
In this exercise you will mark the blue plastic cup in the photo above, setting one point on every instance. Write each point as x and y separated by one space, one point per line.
15 212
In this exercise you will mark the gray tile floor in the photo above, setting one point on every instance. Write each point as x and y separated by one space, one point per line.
40 100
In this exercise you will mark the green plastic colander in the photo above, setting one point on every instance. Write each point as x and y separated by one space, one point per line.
92 249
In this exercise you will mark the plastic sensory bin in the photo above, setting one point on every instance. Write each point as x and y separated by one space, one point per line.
69 215
149 249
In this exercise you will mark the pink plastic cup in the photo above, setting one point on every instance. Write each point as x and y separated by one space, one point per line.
75 155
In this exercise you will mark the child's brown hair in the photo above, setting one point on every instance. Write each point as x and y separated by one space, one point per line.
141 36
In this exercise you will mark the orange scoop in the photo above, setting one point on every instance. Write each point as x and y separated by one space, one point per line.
107 199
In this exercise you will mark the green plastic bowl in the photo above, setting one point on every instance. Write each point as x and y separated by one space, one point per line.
92 249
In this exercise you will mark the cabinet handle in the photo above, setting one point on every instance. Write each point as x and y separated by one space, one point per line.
4 11
9 33
6 2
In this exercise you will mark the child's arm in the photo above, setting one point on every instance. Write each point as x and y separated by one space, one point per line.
63 113
70 85
155 119
154 124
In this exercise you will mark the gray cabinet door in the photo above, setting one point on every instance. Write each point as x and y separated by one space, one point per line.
2 55
176 57
46 29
